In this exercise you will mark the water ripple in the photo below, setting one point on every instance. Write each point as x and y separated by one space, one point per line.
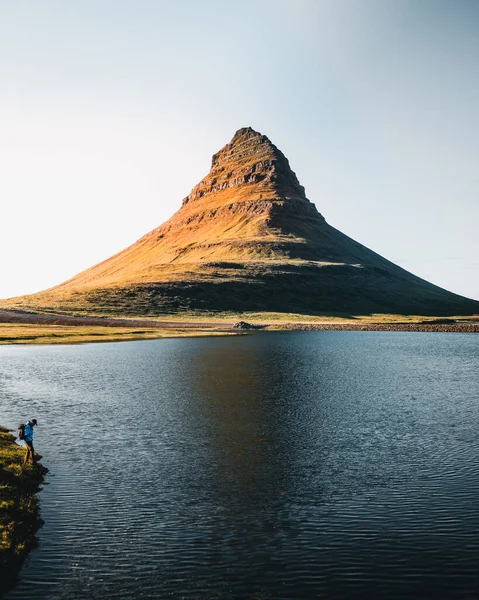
289 466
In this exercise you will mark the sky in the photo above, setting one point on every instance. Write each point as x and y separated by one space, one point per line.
110 111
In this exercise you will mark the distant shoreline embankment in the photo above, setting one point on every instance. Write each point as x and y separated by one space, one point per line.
417 327
20 511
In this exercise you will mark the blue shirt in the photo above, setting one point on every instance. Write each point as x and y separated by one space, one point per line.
28 432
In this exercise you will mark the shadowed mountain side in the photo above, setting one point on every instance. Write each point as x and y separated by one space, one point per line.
247 239
310 292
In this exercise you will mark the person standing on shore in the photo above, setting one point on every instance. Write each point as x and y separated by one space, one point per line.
28 438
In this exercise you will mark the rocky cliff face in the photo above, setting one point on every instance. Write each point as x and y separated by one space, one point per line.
250 158
249 188
247 238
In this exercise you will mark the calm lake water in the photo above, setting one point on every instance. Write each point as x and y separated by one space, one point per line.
271 466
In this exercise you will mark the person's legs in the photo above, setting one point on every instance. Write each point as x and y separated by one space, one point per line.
30 452
27 453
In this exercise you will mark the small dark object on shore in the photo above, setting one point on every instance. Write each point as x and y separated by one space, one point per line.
245 325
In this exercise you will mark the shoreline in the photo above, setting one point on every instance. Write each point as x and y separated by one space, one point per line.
20 515
18 327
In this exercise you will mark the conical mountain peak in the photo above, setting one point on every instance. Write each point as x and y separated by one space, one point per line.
247 239
250 159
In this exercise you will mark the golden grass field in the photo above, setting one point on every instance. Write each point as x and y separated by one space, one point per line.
20 333
264 318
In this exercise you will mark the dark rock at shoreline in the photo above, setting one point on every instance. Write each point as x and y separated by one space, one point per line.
245 325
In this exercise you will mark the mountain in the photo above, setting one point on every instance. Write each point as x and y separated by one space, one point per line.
247 239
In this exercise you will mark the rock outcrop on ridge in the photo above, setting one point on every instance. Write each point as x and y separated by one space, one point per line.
247 239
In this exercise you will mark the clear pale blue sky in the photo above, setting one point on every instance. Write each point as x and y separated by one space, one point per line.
110 111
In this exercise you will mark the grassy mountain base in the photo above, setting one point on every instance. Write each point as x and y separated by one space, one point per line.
301 289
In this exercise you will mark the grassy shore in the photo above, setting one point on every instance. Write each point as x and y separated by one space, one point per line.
19 509
20 333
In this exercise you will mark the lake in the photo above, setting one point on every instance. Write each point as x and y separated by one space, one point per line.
287 465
